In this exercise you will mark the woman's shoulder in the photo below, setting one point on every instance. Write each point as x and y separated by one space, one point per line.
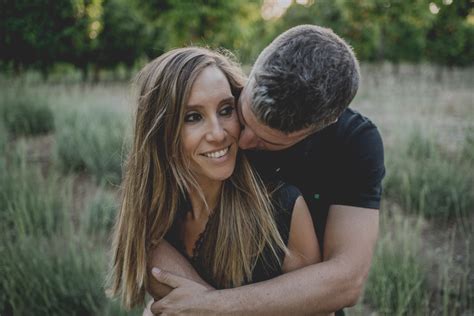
284 196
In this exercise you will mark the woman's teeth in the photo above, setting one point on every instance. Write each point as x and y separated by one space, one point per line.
217 154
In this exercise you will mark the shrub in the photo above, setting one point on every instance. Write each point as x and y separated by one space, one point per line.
44 276
99 217
26 115
31 204
426 179
3 138
91 141
456 290
396 283
468 146
45 268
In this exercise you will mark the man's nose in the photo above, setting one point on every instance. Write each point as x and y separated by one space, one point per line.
248 139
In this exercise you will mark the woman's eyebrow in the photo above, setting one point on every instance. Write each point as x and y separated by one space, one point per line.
227 99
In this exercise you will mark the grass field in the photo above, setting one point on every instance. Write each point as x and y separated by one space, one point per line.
61 147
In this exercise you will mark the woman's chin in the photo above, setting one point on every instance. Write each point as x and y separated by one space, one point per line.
223 175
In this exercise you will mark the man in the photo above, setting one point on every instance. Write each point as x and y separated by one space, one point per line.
294 112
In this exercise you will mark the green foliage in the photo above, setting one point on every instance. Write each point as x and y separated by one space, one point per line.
456 291
91 140
124 35
26 115
227 24
55 276
451 36
99 216
396 283
46 268
468 146
98 34
45 276
403 26
31 204
35 33
427 180
3 138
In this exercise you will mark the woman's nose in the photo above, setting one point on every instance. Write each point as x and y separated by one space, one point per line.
216 132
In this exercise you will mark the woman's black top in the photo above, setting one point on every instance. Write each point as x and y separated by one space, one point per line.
267 267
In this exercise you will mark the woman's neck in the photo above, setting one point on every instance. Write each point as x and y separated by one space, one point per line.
211 191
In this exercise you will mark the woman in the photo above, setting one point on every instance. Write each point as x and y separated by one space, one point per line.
186 181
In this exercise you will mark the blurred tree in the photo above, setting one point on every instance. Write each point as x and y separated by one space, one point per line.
213 23
323 13
39 33
360 27
84 36
377 29
34 33
123 38
451 37
96 34
403 26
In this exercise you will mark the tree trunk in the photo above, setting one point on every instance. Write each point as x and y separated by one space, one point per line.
95 74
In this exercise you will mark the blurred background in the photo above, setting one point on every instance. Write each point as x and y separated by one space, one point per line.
66 107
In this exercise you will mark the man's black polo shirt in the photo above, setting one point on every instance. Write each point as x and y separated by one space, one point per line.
341 164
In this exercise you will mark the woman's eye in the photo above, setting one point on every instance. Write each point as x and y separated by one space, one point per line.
227 111
192 117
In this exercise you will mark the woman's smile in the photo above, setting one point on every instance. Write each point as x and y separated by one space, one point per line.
217 153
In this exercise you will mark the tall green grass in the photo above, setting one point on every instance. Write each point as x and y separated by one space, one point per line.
3 138
397 280
427 179
52 276
91 140
55 276
98 217
47 266
468 146
26 114
30 203
455 289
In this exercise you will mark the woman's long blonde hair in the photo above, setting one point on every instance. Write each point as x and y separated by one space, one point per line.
157 178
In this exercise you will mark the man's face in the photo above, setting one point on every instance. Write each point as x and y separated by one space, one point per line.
256 135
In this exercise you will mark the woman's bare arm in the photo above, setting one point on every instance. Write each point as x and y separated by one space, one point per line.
166 257
302 241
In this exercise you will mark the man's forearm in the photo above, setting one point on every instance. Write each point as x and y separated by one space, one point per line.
319 288
325 287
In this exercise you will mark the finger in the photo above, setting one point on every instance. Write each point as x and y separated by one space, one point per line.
147 310
156 308
168 278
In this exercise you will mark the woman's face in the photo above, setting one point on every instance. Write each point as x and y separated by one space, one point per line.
211 127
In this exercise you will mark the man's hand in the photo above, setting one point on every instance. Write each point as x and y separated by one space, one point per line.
184 297
165 257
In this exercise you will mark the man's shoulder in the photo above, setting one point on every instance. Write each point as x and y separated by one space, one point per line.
351 127
352 124
351 118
